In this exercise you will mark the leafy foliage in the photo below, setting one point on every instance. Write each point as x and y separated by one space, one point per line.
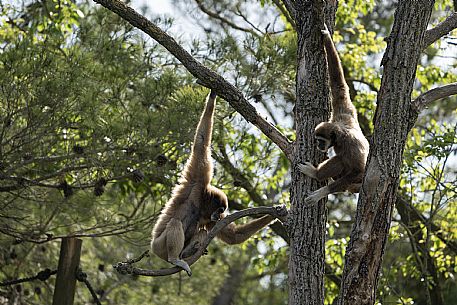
89 107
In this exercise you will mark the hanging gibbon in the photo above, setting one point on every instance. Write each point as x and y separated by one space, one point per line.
342 132
195 205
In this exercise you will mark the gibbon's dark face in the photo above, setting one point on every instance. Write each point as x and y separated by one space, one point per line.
218 205
323 144
325 135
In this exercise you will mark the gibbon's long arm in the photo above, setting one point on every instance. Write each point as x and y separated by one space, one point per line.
233 234
341 101
199 167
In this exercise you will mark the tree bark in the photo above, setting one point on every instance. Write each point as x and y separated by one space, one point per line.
307 224
65 287
393 120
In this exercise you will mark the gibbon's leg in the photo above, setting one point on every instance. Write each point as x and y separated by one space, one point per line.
233 234
175 243
326 170
330 168
344 183
199 167
339 185
194 244
159 246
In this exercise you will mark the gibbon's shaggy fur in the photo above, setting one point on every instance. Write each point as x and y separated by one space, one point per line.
342 132
195 205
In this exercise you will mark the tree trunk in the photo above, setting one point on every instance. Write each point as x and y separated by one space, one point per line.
65 287
307 224
232 283
393 120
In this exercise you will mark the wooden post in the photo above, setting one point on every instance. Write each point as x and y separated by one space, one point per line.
64 291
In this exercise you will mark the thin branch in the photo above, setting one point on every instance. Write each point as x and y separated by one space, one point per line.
222 19
362 81
432 95
238 175
331 275
25 182
279 212
440 30
290 6
285 12
206 77
239 13
409 214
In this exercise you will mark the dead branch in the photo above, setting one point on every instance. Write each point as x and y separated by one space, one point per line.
432 95
223 20
290 6
280 212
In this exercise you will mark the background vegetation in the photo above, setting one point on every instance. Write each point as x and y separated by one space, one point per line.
88 106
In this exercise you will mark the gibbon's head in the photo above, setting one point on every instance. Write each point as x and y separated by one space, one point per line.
218 204
325 135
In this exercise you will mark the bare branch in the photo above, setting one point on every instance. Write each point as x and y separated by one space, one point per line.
22 182
440 30
362 81
409 213
279 212
285 11
290 6
432 95
206 77
222 19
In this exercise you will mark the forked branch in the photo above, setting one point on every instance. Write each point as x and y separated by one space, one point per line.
433 95
206 76
279 212
432 35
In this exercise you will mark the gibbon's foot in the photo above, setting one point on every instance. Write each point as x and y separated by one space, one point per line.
325 31
182 264
308 169
315 196
311 199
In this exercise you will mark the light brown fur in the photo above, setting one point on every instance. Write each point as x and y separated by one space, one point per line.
342 132
195 205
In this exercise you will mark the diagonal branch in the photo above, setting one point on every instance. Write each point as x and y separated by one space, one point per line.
222 19
409 214
279 212
432 95
286 12
290 6
206 77
440 30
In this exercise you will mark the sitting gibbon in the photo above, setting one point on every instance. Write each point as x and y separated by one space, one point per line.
195 205
342 132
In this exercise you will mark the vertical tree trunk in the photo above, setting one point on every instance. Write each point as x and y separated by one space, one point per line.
232 283
393 120
64 291
307 224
